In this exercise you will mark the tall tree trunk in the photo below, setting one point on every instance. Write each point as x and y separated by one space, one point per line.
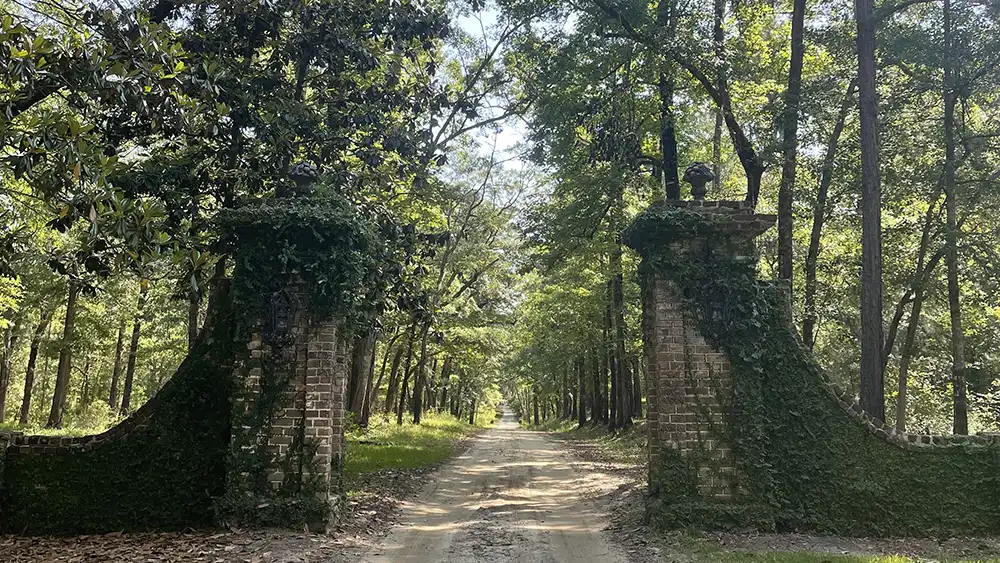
624 383
116 371
581 405
401 405
366 409
393 385
421 382
596 413
819 217
609 353
872 375
636 388
958 381
29 374
8 345
61 389
668 138
564 408
381 373
444 394
719 38
357 384
85 394
534 405
790 131
921 276
133 349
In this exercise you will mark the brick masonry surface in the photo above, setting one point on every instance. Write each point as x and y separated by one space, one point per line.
687 379
690 382
313 407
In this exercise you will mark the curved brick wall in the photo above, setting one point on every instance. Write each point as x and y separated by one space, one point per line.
160 469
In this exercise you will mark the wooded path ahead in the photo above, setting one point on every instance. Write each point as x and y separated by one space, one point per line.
513 496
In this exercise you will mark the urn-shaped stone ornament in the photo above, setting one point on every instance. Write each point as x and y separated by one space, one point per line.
303 174
698 174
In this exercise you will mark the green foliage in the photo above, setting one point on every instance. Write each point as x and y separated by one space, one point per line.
162 475
799 455
387 446
323 242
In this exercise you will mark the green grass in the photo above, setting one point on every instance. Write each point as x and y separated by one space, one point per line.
42 431
808 558
623 446
386 445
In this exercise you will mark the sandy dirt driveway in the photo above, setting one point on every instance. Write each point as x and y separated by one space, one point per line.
513 496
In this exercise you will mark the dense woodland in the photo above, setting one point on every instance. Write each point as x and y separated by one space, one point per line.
511 142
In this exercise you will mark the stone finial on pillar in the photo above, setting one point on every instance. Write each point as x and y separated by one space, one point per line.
698 174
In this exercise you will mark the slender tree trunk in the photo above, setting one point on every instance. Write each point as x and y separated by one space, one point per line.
381 373
29 374
636 388
133 349
6 365
564 408
668 139
357 385
609 352
61 389
596 411
421 382
85 394
534 405
116 371
906 352
366 410
872 375
961 416
393 384
581 375
819 217
790 130
444 395
624 384
719 38
401 406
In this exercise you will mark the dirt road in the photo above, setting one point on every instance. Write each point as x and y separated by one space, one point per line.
513 496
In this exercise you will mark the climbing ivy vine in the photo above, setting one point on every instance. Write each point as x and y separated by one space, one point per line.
803 463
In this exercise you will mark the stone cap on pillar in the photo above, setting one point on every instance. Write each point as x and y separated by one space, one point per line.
666 222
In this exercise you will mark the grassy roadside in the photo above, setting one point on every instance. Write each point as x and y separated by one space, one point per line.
627 449
388 446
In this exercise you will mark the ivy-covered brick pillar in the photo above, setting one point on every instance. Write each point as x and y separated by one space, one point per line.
689 384
290 416
307 274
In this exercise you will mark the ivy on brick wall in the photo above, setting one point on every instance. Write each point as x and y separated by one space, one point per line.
299 262
187 458
804 464
163 474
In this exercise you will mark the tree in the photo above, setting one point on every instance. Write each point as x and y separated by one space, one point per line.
872 372
789 138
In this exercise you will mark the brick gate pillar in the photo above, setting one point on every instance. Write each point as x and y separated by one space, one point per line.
689 383
288 432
